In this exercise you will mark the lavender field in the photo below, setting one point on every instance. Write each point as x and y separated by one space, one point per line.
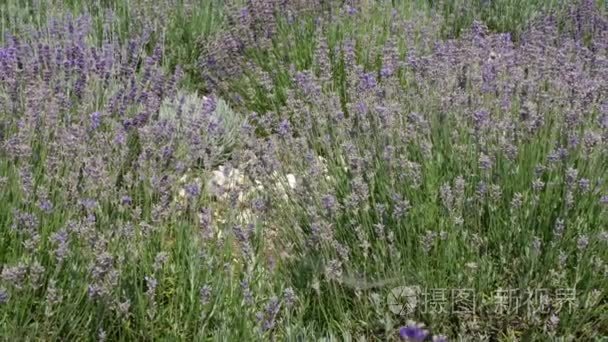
303 170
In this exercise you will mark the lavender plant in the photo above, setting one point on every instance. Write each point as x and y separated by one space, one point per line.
372 155
476 142
222 124
97 240
174 25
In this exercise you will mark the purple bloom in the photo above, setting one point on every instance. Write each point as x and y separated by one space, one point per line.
306 84
445 192
243 237
120 138
95 120
582 242
538 185
243 15
603 121
46 206
247 294
258 204
558 228
427 241
571 175
584 184
351 10
205 294
481 118
151 284
126 200
160 260
14 275
289 297
61 240
270 314
284 128
413 332
25 221
4 296
192 190
481 189
485 162
333 270
517 201
361 108
329 202
205 216
88 203
400 206
367 81
93 291
209 105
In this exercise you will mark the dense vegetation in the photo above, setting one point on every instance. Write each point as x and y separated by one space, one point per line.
303 170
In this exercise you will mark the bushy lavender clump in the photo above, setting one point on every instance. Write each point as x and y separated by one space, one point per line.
250 28
93 170
217 129
505 122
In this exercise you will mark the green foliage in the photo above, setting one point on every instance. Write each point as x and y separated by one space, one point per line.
492 249
499 15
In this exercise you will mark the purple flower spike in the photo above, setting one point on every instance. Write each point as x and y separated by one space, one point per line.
413 332
192 189
4 296
126 200
95 120
284 128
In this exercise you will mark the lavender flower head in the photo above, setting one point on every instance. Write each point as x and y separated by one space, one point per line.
289 297
329 202
4 296
95 120
205 294
160 260
481 118
151 284
209 105
126 200
558 228
192 190
270 314
284 128
351 10
582 242
413 332
14 275
485 162
46 206
367 81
